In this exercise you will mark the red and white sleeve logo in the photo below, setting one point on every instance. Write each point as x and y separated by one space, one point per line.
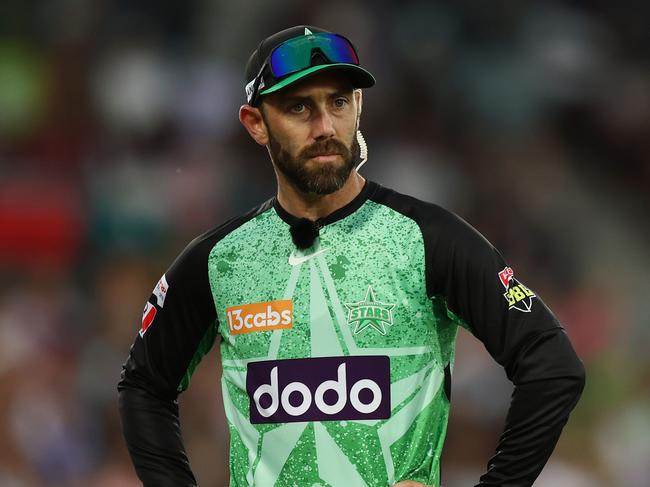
148 315
505 275
160 291
150 310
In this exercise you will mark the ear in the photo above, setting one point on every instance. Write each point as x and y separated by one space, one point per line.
251 119
358 97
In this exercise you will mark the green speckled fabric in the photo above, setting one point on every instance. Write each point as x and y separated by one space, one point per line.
372 259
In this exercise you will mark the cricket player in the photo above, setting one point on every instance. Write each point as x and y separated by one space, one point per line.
336 306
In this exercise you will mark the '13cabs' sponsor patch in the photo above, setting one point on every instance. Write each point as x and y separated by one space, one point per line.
517 295
267 316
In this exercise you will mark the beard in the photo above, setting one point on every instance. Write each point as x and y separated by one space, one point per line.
320 179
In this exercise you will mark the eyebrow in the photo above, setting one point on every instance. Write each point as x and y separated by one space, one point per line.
301 99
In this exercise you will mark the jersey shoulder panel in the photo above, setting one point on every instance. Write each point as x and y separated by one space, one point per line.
191 266
204 242
445 234
478 288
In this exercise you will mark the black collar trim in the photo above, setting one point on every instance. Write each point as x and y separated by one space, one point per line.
366 193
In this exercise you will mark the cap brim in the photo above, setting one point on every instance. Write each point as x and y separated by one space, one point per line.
359 76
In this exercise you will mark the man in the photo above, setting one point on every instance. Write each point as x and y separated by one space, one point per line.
336 305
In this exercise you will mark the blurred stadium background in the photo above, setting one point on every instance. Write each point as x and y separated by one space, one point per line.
119 142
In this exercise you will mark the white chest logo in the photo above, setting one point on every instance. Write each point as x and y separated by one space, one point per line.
295 258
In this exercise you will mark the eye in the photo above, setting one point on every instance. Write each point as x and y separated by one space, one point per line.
340 102
298 108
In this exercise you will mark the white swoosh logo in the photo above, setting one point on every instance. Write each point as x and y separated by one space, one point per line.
294 260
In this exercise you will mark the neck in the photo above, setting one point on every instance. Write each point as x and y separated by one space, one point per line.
315 206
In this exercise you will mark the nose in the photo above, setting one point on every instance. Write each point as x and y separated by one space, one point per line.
322 125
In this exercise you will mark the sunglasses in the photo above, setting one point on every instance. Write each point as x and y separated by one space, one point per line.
296 54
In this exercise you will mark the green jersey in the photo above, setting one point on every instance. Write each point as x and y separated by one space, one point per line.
337 358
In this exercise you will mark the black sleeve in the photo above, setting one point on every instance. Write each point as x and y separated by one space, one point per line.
520 333
178 328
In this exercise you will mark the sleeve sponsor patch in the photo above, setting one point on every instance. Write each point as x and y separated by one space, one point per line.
517 295
160 291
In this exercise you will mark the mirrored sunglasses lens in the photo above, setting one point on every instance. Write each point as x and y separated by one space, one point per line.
295 55
288 59
339 50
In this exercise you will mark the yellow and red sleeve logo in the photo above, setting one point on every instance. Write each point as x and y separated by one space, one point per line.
267 316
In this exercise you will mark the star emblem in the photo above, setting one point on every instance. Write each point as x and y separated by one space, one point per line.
370 313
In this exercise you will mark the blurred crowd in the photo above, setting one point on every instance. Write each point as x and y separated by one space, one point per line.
119 142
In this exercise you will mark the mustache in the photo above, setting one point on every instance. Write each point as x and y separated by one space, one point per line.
329 146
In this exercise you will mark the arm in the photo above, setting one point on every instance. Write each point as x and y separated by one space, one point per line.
179 327
152 431
522 335
539 409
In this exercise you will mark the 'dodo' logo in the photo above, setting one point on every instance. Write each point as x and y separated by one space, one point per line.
319 389
517 295
271 315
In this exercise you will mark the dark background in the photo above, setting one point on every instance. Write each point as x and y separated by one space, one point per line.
119 142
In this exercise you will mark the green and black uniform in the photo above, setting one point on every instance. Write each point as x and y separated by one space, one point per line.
337 359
